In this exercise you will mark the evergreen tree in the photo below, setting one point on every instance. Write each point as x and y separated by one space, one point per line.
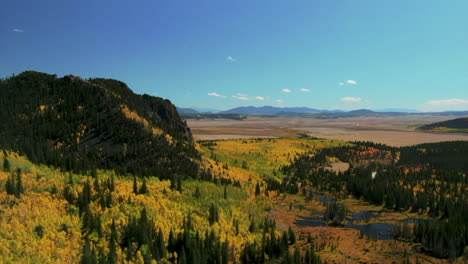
19 183
6 164
112 257
292 236
179 184
161 245
135 185
257 189
147 258
39 230
144 188
197 193
10 185
213 214
183 257
86 257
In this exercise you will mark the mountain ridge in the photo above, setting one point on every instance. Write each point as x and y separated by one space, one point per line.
80 125
457 125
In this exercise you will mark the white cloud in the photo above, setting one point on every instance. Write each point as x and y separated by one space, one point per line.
341 83
240 97
305 90
261 98
279 101
241 94
351 81
217 95
229 58
454 101
351 99
17 30
286 90
445 105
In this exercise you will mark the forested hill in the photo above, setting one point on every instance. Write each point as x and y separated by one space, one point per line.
81 125
458 123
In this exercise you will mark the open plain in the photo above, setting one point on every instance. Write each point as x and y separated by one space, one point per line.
399 130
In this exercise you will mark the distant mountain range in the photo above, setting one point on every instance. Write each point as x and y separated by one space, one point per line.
195 110
309 112
187 111
269 110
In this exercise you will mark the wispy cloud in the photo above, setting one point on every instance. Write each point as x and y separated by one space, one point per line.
280 101
245 98
305 90
261 98
217 95
445 105
229 58
286 90
17 30
351 99
351 81
341 83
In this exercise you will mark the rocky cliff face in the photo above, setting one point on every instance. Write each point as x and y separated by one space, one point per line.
168 117
82 124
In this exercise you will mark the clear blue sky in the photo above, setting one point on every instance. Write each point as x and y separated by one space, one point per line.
400 53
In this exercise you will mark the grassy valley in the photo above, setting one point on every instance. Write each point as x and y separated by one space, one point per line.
94 173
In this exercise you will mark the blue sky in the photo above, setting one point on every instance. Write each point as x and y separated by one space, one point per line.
327 54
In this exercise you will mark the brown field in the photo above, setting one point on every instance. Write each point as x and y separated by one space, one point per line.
391 130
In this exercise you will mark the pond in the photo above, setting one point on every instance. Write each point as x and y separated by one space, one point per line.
310 221
379 231
366 215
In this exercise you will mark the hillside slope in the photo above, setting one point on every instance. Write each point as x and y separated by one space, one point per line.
457 124
82 125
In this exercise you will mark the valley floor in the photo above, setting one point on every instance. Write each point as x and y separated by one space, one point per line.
369 235
390 130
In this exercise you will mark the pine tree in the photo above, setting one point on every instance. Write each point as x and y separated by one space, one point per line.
147 258
135 185
161 245
213 214
94 259
19 183
6 164
197 193
292 236
144 188
112 183
257 189
112 258
297 256
179 184
10 185
86 257
130 251
171 247
183 257
70 179
102 256
252 226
